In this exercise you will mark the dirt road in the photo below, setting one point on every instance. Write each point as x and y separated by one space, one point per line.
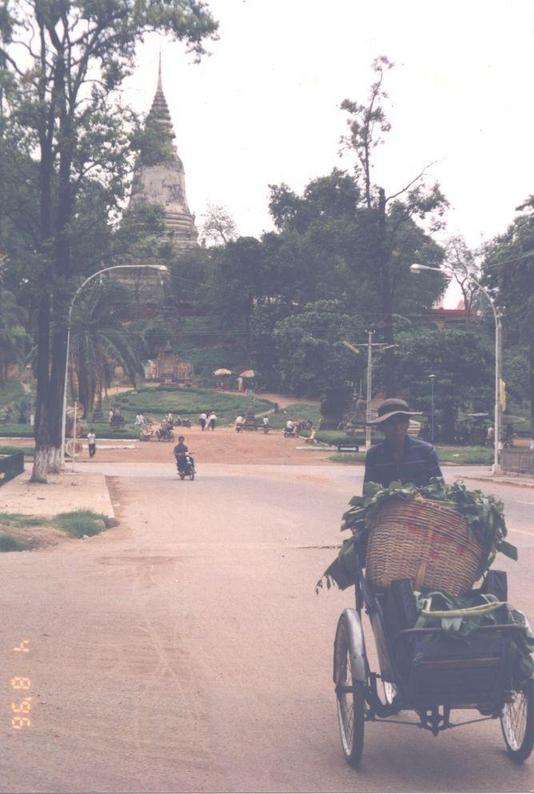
186 650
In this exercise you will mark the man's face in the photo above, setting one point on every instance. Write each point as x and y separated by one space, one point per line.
396 428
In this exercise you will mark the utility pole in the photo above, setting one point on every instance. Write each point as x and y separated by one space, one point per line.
355 349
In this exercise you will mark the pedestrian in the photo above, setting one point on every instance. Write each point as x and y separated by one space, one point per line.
400 457
490 436
212 418
203 418
239 422
111 415
91 442
240 383
139 419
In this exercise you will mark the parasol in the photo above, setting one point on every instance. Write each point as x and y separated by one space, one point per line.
248 373
220 372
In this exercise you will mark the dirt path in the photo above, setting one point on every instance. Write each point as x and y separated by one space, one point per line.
223 445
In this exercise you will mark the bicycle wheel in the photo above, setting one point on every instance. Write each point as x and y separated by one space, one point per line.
517 723
350 697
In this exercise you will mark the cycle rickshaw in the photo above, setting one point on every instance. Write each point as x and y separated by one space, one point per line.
426 671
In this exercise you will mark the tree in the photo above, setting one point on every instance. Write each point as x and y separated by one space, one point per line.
462 361
240 279
218 226
386 215
100 341
14 339
313 361
508 268
463 266
61 62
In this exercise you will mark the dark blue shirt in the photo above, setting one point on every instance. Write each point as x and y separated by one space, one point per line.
417 464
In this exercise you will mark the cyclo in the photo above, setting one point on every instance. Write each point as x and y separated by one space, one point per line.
428 671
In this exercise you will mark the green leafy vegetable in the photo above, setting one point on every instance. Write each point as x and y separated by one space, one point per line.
482 513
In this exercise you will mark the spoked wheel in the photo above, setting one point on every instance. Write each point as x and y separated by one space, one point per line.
517 723
350 697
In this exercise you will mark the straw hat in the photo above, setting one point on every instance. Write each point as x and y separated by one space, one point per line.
392 407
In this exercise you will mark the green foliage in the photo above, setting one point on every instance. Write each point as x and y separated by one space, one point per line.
14 339
462 362
100 341
22 520
11 450
509 267
78 523
9 542
312 357
482 513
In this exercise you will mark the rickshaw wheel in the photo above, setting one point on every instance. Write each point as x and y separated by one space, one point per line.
350 705
517 723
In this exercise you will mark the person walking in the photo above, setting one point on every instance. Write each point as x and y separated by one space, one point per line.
203 418
212 418
91 442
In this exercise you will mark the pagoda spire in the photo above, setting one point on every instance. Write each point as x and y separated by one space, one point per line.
159 176
160 84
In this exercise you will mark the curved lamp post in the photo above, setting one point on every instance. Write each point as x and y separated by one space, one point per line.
160 268
498 358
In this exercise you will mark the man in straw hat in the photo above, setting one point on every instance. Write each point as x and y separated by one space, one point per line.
400 457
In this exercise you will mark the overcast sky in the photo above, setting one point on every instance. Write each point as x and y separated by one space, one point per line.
264 107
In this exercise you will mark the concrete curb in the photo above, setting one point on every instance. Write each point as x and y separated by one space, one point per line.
500 480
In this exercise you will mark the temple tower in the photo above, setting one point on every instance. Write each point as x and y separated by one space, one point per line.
159 176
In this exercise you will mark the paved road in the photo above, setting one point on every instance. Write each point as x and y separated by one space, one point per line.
186 650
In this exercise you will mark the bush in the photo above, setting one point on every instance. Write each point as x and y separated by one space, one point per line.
80 522
9 542
339 437
21 520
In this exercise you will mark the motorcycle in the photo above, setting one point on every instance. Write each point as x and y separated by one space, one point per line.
164 433
290 433
185 466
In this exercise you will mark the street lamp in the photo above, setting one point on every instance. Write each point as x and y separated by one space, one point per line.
160 268
498 358
432 379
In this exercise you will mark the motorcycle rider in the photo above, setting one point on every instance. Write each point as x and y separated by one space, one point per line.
181 454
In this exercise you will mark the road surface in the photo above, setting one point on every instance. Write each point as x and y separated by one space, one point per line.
186 649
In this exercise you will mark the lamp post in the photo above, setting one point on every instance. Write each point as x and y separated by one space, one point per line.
432 379
160 268
498 358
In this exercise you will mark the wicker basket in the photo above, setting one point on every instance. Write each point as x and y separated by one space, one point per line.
424 541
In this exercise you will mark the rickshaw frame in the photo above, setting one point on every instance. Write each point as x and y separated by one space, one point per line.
433 716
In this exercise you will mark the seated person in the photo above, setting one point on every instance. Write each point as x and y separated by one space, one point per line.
181 451
400 457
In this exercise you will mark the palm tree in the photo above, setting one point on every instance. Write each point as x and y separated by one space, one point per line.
100 341
14 339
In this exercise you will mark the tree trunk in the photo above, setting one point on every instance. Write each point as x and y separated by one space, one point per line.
40 464
54 460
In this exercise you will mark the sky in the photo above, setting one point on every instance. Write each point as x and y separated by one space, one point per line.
263 108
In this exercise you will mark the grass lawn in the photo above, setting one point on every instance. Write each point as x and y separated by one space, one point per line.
446 454
297 412
188 403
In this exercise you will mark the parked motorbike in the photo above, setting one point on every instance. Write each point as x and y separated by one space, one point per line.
185 466
164 433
